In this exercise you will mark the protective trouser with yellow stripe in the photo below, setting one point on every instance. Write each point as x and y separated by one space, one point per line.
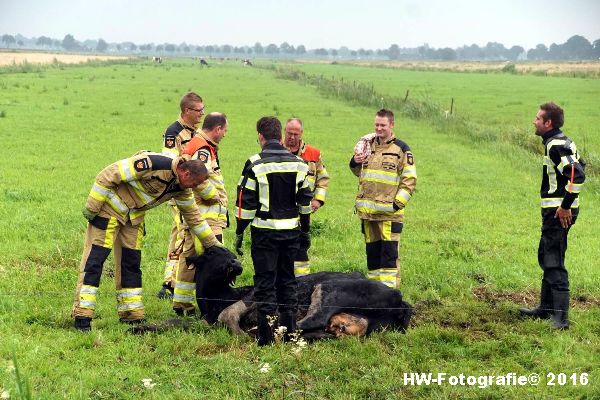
184 293
105 233
382 239
301 261
175 243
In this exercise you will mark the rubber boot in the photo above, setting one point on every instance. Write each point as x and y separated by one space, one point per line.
83 324
560 316
544 310
264 331
288 319
166 292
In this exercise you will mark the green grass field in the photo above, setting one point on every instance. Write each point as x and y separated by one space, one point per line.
469 247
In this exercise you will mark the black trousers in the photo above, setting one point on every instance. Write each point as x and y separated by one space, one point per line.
273 254
552 250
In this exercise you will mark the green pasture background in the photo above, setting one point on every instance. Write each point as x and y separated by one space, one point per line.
469 247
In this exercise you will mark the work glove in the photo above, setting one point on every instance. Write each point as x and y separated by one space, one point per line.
239 239
304 240
87 214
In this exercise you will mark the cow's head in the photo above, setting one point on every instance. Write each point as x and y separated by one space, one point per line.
216 267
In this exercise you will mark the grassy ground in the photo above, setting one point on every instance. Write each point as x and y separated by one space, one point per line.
468 249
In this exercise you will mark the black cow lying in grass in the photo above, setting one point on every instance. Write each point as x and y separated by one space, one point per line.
330 303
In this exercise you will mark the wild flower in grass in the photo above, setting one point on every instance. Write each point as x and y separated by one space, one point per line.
272 319
298 343
147 382
279 333
10 367
5 394
264 368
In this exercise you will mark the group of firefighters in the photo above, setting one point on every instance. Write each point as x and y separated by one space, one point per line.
278 190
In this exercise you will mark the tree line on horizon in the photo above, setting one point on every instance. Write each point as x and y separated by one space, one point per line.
575 48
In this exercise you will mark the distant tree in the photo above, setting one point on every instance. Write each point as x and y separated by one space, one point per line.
119 47
286 48
44 41
258 49
446 54
301 50
169 47
249 50
160 48
20 43
200 49
394 52
272 49
133 47
556 52
321 52
577 47
209 49
101 46
226 48
56 43
596 49
8 39
353 53
514 52
185 48
494 51
333 52
69 43
539 53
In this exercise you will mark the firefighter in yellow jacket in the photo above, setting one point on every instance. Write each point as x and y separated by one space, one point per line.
211 199
318 180
115 209
387 178
175 137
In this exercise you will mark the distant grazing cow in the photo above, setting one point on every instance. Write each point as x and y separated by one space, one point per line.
247 62
203 62
330 303
157 60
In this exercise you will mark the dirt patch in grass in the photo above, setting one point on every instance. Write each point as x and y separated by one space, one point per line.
12 58
530 298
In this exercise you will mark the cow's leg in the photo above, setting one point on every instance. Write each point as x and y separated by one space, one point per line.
317 316
231 317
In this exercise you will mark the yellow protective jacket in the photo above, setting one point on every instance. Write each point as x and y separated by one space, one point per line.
318 178
128 188
176 136
211 197
387 180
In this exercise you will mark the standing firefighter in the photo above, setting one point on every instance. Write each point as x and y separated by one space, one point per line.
175 137
211 199
562 179
318 182
387 178
274 198
115 209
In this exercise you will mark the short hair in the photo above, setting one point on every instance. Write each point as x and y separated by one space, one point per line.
195 167
385 113
214 119
269 127
553 113
188 100
298 120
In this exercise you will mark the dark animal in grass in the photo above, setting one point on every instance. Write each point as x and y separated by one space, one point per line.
331 304
203 62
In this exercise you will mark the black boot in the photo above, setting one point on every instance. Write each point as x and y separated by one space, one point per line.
83 324
288 319
166 292
264 331
544 310
560 316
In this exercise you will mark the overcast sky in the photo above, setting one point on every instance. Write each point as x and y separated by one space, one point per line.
313 23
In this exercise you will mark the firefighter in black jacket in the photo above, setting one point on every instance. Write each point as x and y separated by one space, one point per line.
274 198
562 179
